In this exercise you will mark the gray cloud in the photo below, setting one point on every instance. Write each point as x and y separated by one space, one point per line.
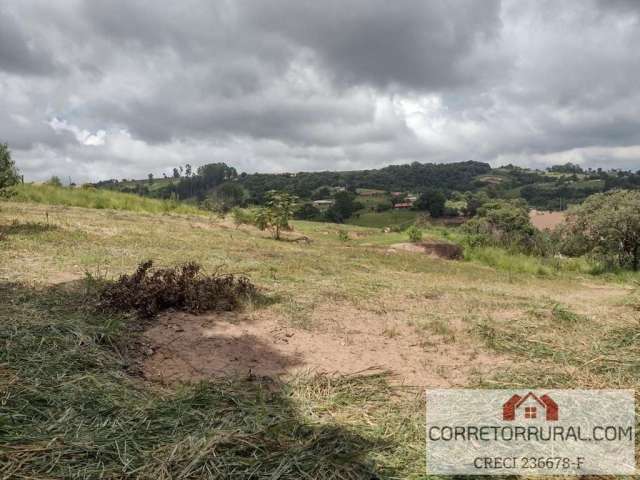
19 53
282 85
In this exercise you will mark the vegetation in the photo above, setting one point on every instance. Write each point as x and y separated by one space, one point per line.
432 201
607 226
149 291
8 172
470 183
72 408
276 213
504 223
414 233
94 198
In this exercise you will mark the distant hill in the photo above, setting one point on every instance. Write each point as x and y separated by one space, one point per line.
553 189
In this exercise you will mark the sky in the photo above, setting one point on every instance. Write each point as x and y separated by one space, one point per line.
99 89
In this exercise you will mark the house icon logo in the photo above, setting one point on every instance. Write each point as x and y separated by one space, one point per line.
530 407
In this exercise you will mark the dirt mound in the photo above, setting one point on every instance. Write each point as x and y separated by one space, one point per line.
184 348
448 251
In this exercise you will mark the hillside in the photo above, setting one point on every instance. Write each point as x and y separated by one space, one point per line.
552 189
321 378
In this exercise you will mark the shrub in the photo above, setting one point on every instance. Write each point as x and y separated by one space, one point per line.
276 213
343 236
607 227
242 217
54 181
506 223
383 207
149 291
8 173
415 234
307 211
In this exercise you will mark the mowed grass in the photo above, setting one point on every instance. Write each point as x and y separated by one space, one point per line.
72 409
96 198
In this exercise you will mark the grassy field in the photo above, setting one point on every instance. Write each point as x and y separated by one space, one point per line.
76 403
390 218
94 198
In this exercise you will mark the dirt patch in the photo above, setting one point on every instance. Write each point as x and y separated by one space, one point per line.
184 347
546 220
444 250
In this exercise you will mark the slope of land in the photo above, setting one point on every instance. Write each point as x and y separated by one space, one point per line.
323 378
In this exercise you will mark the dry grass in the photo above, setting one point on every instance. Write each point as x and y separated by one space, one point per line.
73 412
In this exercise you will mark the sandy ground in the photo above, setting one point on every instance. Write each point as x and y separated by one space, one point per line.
184 347
546 220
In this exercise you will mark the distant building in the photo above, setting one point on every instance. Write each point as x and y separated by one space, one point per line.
403 205
318 203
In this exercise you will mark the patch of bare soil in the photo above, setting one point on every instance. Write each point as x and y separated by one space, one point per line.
444 250
546 220
184 348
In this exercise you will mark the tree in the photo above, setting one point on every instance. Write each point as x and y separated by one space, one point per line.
150 177
474 202
432 201
176 172
54 181
276 213
187 170
8 173
307 212
607 226
343 207
230 195
505 223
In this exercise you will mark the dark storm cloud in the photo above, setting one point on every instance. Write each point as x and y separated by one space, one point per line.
126 87
417 44
19 53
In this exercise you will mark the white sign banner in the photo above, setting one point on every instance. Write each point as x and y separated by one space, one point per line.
538 432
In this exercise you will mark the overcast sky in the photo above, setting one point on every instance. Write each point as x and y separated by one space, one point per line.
98 89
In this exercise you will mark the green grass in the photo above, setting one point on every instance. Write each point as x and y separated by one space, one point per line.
390 218
95 198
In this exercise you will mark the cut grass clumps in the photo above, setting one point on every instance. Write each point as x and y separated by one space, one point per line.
149 291
69 411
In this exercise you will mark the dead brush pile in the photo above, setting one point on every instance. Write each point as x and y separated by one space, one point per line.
149 290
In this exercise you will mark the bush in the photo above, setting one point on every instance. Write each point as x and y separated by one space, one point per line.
276 213
149 291
415 234
607 227
243 217
8 173
307 211
383 207
507 224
